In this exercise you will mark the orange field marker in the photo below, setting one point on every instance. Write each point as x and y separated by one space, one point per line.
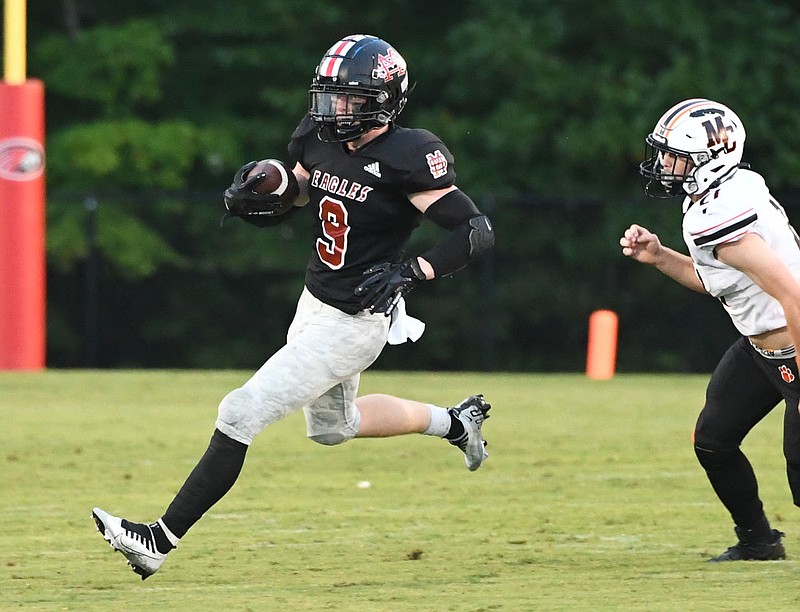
601 355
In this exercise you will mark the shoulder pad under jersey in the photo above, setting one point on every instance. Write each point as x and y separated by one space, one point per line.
419 155
723 215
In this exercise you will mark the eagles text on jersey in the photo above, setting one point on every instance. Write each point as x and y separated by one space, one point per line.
360 201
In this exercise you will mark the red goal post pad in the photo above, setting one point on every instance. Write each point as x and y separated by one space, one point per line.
22 226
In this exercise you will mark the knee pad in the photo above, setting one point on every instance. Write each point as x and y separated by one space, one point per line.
330 439
709 452
236 416
707 458
333 426
712 459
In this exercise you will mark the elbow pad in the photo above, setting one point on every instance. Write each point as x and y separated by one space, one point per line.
481 236
466 242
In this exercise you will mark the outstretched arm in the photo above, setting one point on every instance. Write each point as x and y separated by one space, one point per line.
642 245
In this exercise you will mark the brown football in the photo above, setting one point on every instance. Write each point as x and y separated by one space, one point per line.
279 180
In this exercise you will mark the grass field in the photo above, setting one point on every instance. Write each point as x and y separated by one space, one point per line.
592 500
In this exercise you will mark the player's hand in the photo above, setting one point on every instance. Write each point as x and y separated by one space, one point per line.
242 199
640 244
386 283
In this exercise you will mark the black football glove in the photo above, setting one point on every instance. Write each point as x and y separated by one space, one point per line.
386 283
241 199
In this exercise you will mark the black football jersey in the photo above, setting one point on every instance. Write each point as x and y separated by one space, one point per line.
359 200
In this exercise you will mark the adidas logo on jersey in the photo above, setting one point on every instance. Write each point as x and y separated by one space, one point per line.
374 169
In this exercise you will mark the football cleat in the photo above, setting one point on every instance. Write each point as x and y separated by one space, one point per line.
134 540
744 550
472 412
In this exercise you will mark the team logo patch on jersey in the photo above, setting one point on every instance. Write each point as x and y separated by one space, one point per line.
437 163
374 169
786 374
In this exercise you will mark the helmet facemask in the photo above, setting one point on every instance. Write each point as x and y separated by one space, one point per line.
346 113
662 179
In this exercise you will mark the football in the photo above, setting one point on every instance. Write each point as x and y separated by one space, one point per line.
278 180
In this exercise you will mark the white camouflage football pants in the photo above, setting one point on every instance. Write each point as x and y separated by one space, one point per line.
318 370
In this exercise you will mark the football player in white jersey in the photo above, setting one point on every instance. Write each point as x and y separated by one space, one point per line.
744 252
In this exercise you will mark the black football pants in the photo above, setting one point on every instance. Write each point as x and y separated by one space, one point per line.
743 389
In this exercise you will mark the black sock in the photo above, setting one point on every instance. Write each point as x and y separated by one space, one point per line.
159 538
211 478
760 531
163 545
456 427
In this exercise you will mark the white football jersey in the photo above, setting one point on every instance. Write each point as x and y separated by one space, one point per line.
740 205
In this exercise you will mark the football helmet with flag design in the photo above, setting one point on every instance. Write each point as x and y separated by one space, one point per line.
706 137
361 84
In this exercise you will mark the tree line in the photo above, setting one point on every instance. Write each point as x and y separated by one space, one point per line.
152 106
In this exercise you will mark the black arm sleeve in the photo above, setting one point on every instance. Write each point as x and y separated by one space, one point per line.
471 233
452 209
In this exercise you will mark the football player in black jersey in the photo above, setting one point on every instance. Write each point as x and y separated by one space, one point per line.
368 183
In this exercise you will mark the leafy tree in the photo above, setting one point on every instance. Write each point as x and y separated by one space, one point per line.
151 107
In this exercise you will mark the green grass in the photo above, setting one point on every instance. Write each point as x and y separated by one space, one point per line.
592 500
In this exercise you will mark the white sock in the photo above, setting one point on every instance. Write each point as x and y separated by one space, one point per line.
440 422
173 539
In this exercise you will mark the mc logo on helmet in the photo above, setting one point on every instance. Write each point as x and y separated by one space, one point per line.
718 134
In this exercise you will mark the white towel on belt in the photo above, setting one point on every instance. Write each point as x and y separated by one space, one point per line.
403 326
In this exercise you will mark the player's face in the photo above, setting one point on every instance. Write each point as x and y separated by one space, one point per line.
678 165
338 104
349 104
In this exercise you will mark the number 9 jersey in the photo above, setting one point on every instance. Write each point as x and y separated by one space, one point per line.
362 213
